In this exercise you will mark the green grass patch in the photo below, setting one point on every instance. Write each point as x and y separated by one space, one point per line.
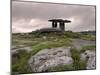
50 44
72 34
88 47
88 37
21 66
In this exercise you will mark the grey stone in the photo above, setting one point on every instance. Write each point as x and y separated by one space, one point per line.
48 58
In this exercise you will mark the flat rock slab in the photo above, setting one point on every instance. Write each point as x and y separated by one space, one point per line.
48 58
78 43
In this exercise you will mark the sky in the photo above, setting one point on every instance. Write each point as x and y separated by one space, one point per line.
30 16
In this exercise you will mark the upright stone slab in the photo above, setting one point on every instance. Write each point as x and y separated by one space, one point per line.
62 26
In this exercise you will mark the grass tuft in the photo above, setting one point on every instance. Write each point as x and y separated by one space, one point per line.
21 65
78 64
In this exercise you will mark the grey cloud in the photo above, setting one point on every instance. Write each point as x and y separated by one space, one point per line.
45 11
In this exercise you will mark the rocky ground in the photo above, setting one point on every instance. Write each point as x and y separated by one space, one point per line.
48 58
42 54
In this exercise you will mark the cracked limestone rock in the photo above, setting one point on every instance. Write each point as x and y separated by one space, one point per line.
48 58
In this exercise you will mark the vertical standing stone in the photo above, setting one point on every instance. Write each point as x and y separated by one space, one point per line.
62 26
54 24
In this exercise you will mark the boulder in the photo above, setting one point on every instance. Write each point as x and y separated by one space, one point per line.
48 58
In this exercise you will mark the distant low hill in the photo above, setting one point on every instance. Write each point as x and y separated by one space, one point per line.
89 32
57 31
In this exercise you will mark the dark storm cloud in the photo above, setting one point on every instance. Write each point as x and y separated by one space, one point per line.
25 15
